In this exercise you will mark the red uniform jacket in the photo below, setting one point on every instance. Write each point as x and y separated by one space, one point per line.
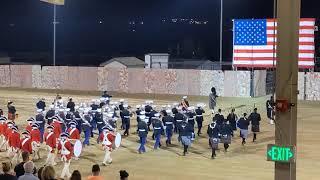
14 140
74 133
57 128
35 135
8 133
3 128
110 137
66 146
50 139
29 128
26 145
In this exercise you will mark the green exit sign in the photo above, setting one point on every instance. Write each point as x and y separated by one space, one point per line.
285 154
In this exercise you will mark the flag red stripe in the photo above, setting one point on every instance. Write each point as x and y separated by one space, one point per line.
266 66
301 19
265 51
301 27
300 35
270 43
266 59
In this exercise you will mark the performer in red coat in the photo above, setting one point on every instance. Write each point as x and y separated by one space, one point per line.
50 140
66 150
29 126
26 142
14 145
73 131
57 126
35 138
3 128
107 138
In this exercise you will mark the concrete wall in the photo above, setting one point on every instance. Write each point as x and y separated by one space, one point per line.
158 81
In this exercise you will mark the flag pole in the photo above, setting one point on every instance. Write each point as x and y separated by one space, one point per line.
54 34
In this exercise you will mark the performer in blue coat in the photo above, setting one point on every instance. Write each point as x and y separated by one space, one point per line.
142 132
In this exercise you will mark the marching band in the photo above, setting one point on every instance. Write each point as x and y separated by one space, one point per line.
59 129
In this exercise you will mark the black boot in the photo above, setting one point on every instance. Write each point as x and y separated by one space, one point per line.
226 146
254 137
185 149
243 141
213 155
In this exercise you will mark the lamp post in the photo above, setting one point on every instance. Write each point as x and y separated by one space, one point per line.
221 32
54 34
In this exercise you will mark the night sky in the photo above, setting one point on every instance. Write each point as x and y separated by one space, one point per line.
104 28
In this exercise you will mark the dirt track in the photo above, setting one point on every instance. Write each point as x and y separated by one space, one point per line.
241 163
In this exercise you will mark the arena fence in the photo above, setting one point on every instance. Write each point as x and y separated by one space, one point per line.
152 81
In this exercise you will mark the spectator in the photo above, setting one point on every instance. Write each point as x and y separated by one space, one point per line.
95 173
28 169
124 175
48 173
40 172
75 175
6 172
19 170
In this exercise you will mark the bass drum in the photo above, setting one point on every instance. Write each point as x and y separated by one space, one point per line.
77 148
117 141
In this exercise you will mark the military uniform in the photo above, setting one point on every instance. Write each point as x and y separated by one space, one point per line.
41 122
199 118
126 118
142 132
168 124
157 129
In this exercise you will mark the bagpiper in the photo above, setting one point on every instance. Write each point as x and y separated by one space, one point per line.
255 119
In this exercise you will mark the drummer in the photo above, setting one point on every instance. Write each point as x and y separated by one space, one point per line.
66 151
107 137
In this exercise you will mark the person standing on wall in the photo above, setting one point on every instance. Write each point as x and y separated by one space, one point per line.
11 111
213 99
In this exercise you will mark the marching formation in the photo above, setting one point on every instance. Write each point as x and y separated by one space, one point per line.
59 128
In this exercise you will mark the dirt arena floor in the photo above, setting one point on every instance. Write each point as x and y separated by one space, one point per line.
241 163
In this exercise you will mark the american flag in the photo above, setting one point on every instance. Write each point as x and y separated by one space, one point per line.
254 40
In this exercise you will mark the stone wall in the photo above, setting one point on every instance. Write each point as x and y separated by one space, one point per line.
313 86
259 83
158 81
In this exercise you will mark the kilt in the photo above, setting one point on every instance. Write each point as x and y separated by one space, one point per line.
186 140
214 142
225 139
255 128
244 133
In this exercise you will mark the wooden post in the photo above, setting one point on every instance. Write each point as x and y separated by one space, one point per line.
288 17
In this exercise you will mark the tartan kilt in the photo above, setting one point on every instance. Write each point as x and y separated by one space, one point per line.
255 128
225 139
186 140
244 133
214 143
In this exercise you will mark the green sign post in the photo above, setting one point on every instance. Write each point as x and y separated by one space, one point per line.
285 154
